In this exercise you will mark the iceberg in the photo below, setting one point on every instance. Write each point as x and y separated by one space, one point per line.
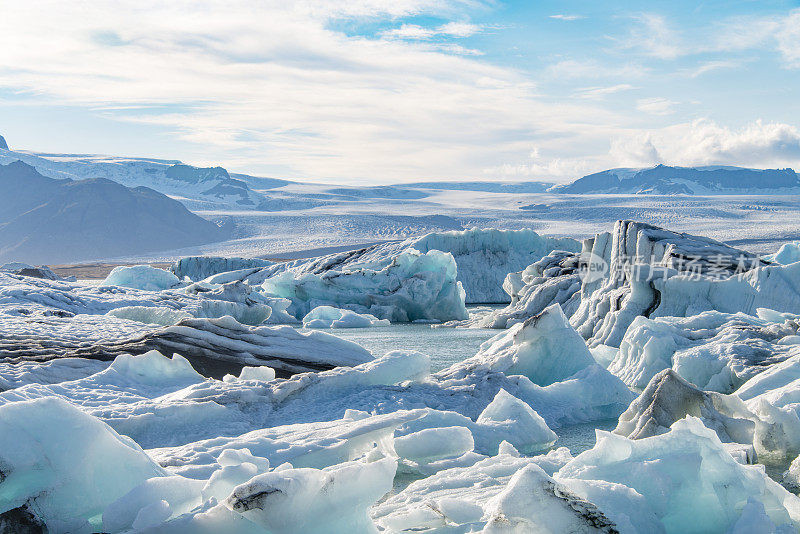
334 500
413 286
197 268
330 317
555 279
687 477
655 272
314 445
20 295
451 499
713 350
545 348
484 257
61 467
669 398
142 277
512 421
788 253
215 347
534 502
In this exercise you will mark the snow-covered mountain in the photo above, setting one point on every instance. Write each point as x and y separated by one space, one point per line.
667 180
198 188
45 220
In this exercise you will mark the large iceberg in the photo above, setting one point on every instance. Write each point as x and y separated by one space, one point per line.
59 468
484 258
412 287
215 347
713 350
687 477
25 296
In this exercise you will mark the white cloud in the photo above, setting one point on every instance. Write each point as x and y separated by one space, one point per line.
655 106
567 17
415 31
600 92
704 142
653 36
788 37
255 84
709 66
572 69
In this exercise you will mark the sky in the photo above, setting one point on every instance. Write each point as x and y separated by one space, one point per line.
391 91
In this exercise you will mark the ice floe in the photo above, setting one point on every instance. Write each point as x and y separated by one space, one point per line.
330 317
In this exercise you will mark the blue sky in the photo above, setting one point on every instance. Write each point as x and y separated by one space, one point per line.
377 91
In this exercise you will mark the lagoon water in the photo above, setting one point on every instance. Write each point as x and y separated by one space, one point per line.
446 346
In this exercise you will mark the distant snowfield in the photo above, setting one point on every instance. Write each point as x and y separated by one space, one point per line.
280 219
757 223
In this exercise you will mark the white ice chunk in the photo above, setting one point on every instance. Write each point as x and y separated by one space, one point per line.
329 501
63 465
713 350
545 348
434 444
454 500
150 314
689 480
181 495
262 373
515 422
318 444
330 317
534 502
141 277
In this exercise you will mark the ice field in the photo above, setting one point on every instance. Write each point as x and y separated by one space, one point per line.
370 391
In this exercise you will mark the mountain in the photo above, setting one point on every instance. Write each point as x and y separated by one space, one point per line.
667 180
46 220
199 188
